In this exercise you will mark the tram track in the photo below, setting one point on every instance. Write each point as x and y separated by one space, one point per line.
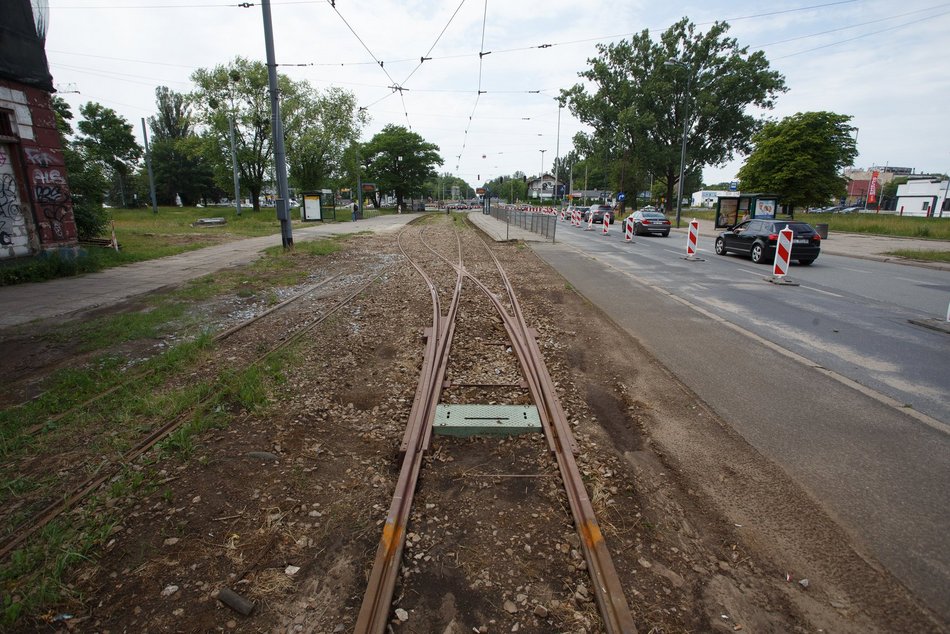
376 607
108 469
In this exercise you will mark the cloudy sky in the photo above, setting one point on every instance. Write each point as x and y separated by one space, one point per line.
885 63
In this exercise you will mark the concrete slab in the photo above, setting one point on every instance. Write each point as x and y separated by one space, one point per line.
486 420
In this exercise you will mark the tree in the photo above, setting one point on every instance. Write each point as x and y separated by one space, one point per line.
239 92
641 98
173 120
510 188
400 161
178 158
800 158
87 182
321 129
107 139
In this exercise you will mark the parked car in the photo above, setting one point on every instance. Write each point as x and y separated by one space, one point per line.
650 222
849 210
758 238
599 211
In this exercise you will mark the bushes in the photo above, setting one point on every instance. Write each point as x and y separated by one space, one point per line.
49 266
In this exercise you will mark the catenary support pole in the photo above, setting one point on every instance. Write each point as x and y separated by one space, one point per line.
280 154
234 169
148 163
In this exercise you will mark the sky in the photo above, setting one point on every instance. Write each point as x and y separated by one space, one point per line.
885 63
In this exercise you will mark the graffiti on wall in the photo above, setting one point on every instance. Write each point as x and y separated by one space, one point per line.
14 239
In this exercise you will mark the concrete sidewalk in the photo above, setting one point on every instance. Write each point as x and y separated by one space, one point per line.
855 245
64 296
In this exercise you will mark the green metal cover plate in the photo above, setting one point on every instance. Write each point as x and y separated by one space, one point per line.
486 420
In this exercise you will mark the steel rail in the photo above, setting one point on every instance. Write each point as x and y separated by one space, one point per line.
608 589
138 376
377 601
79 492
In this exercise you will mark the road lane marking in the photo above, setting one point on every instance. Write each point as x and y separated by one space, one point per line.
884 399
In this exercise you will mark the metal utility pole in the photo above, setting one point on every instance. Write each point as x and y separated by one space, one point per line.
280 154
689 81
557 151
148 162
541 176
234 168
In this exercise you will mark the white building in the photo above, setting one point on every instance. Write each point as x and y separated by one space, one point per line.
708 198
542 187
924 197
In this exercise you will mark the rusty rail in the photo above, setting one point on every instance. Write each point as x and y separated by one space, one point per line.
109 469
377 602
608 591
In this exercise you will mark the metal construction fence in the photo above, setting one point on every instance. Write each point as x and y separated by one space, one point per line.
541 222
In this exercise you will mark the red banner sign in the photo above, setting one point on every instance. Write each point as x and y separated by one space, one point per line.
872 188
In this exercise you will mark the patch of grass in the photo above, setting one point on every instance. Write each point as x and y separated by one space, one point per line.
883 224
106 331
926 255
52 266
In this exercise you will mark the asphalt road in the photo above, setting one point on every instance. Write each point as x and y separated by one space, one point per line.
828 379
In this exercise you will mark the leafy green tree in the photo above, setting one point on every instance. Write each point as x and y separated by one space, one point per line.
107 139
178 159
87 182
400 161
643 90
800 158
239 92
319 131
511 188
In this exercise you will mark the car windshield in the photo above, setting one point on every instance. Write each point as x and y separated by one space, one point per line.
653 214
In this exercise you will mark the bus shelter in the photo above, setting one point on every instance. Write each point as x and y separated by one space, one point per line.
731 210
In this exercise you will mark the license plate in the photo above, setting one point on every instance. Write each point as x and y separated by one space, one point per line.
800 241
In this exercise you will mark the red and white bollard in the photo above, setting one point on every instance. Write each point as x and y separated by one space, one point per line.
692 240
783 253
590 221
562 215
576 218
606 224
628 230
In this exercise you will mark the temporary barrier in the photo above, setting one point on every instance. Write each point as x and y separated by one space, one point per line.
590 221
628 230
562 215
783 253
692 239
576 218
606 223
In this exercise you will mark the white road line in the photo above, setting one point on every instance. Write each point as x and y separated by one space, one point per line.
884 399
818 290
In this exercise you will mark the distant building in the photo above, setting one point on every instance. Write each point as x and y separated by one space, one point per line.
708 198
36 211
924 197
543 187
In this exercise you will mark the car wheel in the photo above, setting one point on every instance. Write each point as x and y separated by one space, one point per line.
806 261
720 246
758 253
636 228
666 235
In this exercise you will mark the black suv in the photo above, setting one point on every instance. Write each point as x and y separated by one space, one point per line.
599 212
758 238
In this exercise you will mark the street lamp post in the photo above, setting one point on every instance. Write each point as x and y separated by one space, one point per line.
541 178
689 81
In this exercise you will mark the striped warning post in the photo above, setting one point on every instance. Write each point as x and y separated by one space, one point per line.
783 253
606 223
628 229
692 239
562 215
576 218
590 221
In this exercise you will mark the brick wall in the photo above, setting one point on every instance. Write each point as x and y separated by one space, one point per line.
36 160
